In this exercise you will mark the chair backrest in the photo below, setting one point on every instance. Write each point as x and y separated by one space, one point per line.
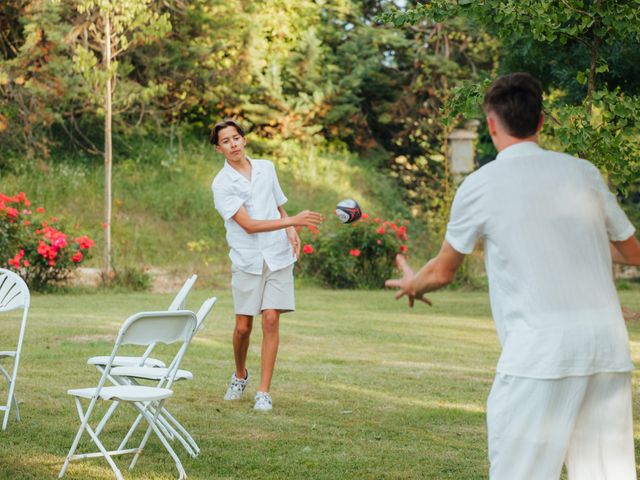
179 300
147 328
204 310
14 293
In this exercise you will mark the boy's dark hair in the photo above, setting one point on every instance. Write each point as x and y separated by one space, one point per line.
227 122
517 101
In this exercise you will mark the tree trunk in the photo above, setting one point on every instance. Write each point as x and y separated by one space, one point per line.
107 153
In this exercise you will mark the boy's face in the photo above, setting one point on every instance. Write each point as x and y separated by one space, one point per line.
231 144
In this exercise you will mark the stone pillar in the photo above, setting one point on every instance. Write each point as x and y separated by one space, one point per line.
461 151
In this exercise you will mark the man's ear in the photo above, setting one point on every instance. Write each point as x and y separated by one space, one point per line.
491 122
540 122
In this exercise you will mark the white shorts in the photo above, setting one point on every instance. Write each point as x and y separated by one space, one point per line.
254 293
536 425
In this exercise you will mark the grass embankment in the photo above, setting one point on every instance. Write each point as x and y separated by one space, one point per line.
163 212
364 388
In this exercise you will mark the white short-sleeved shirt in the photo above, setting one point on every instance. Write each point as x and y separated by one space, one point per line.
261 196
546 220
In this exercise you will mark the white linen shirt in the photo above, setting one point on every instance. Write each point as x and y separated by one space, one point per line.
546 219
261 196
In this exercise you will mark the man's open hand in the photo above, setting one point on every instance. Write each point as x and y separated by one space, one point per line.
404 284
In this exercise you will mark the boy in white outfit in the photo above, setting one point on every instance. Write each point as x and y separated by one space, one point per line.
550 230
263 248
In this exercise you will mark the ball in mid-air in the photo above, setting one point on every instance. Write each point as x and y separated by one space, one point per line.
348 211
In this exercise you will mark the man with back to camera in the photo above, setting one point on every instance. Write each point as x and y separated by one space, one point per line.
263 248
550 229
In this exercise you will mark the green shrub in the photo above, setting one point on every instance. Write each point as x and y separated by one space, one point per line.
131 279
38 251
358 255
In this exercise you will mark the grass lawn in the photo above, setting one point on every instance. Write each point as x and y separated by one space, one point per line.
364 388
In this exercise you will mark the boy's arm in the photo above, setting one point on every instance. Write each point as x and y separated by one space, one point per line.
305 218
292 235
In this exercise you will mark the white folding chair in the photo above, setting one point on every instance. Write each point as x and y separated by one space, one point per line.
178 303
142 329
132 375
14 294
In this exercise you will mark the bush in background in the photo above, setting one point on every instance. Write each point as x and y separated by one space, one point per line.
35 246
358 255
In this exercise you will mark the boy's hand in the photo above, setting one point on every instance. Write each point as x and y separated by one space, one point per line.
293 237
307 218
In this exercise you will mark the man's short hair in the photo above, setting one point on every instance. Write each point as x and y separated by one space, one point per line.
227 122
517 101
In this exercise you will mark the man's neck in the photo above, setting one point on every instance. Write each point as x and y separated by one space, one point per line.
508 141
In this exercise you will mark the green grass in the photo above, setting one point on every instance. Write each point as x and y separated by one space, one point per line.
364 388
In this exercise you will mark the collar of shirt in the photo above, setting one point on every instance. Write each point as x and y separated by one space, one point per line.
519 149
236 176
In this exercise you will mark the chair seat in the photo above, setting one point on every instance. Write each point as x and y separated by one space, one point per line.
7 354
127 393
149 373
122 361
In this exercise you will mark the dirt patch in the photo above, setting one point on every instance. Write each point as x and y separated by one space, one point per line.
162 280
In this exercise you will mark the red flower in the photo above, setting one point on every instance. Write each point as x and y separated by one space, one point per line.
12 212
402 233
365 216
15 261
313 229
54 219
379 242
40 210
26 263
381 230
85 242
308 249
403 248
354 252
77 257
21 197
27 223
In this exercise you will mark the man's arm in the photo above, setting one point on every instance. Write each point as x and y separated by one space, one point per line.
251 225
435 274
626 252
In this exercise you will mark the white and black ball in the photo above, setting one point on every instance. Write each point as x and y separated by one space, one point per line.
348 211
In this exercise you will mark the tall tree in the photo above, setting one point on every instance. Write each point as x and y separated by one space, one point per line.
105 30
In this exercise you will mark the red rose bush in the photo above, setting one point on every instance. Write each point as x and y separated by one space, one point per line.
35 246
357 255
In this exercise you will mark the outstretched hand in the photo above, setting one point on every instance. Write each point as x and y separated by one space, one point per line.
404 284
307 218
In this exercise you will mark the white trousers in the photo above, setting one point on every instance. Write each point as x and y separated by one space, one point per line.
584 422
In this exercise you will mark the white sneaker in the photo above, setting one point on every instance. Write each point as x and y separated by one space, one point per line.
263 402
236 387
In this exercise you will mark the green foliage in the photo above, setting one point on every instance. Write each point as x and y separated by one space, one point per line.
358 255
41 253
602 125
